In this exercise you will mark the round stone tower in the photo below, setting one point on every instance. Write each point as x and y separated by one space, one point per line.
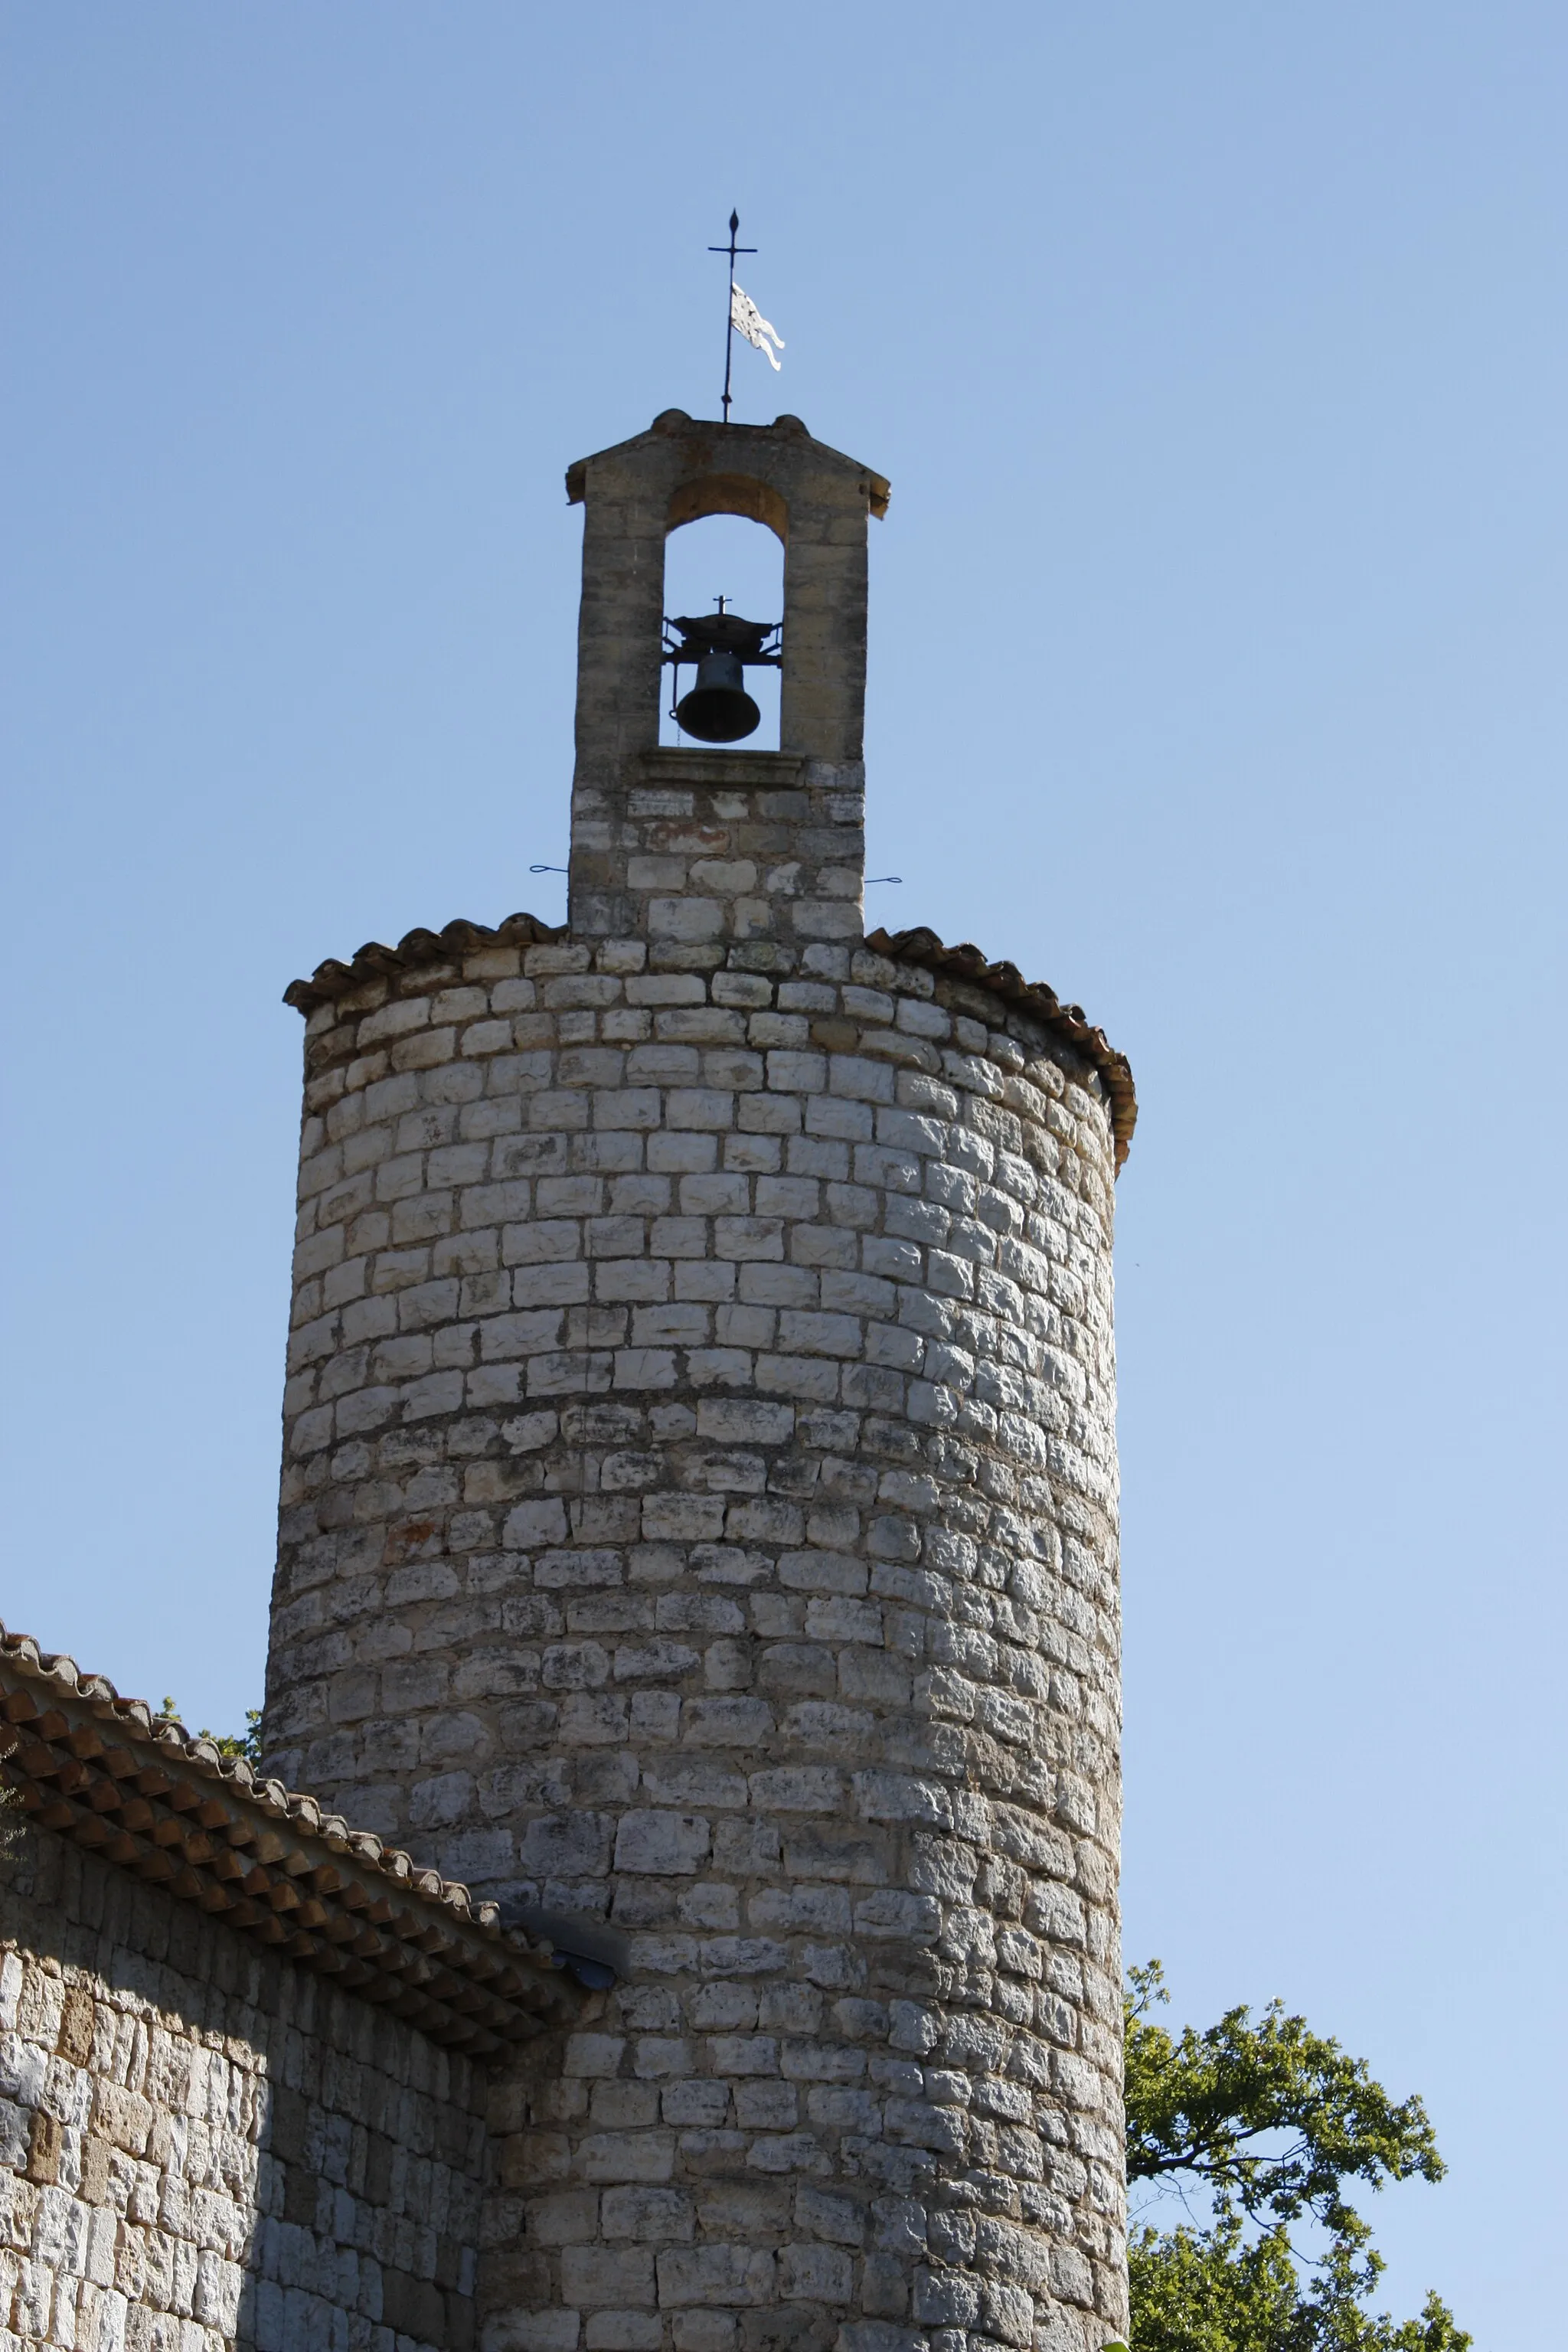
699 1511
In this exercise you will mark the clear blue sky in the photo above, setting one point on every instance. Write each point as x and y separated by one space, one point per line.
1217 357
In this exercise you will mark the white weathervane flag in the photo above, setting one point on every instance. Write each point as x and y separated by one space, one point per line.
748 321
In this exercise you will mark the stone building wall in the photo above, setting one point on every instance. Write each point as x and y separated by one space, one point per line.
699 1511
203 2145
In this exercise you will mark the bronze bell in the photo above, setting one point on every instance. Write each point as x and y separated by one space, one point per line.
718 709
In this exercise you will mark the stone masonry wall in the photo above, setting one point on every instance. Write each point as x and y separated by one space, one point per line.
692 854
203 2145
699 1511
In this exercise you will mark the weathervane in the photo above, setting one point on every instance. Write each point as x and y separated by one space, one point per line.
744 315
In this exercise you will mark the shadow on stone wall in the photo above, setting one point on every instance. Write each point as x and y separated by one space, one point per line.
195 2131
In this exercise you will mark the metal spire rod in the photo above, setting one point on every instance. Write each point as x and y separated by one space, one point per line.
731 250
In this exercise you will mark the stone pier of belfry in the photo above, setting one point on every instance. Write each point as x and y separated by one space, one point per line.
700 1513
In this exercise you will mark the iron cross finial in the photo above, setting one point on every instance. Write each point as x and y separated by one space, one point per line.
731 250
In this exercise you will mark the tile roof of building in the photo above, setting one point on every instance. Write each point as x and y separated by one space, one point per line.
150 1796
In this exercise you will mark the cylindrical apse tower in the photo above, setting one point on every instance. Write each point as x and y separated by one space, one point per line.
699 1512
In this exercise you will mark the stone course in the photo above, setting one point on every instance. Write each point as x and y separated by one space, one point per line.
203 2145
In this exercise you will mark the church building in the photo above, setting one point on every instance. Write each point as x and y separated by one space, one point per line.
677 1907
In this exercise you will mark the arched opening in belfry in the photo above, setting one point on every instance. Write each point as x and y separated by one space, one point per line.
727 556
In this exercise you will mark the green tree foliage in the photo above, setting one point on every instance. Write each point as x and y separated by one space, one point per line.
1266 2125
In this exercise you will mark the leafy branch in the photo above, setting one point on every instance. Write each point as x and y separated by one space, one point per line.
1268 2122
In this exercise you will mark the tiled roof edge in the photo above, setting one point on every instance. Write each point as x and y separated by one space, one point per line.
372 961
1068 1022
332 980
502 1982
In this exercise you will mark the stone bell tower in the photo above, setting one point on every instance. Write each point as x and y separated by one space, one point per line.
757 851
700 1510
